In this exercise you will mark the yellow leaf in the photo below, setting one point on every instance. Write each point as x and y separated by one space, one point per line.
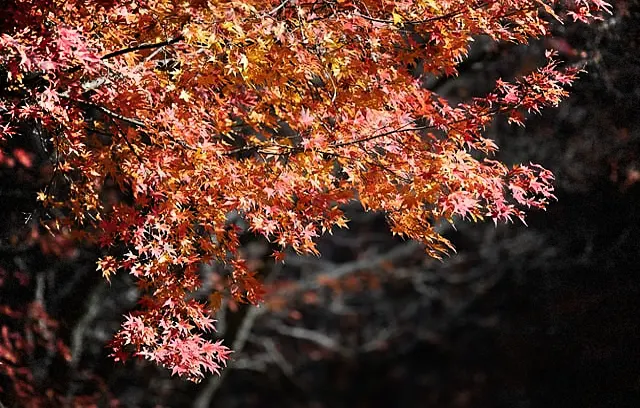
397 18
184 95
244 62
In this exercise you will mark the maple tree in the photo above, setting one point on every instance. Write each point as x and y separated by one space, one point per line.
170 128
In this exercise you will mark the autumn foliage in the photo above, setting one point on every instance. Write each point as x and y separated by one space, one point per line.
172 127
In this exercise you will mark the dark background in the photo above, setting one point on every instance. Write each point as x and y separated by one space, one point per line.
544 316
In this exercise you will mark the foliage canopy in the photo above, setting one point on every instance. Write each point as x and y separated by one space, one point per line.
171 127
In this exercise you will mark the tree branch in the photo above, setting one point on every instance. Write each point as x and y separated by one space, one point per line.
140 47
204 398
278 8
211 387
312 336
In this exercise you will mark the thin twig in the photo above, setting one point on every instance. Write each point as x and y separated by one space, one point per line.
128 142
390 132
146 46
109 112
403 128
278 8
131 121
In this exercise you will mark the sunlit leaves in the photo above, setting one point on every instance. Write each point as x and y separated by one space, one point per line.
178 126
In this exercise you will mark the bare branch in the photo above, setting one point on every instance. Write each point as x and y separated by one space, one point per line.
313 336
277 357
204 398
83 324
211 387
278 8
398 252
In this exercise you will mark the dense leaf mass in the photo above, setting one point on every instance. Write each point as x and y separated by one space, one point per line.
173 126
